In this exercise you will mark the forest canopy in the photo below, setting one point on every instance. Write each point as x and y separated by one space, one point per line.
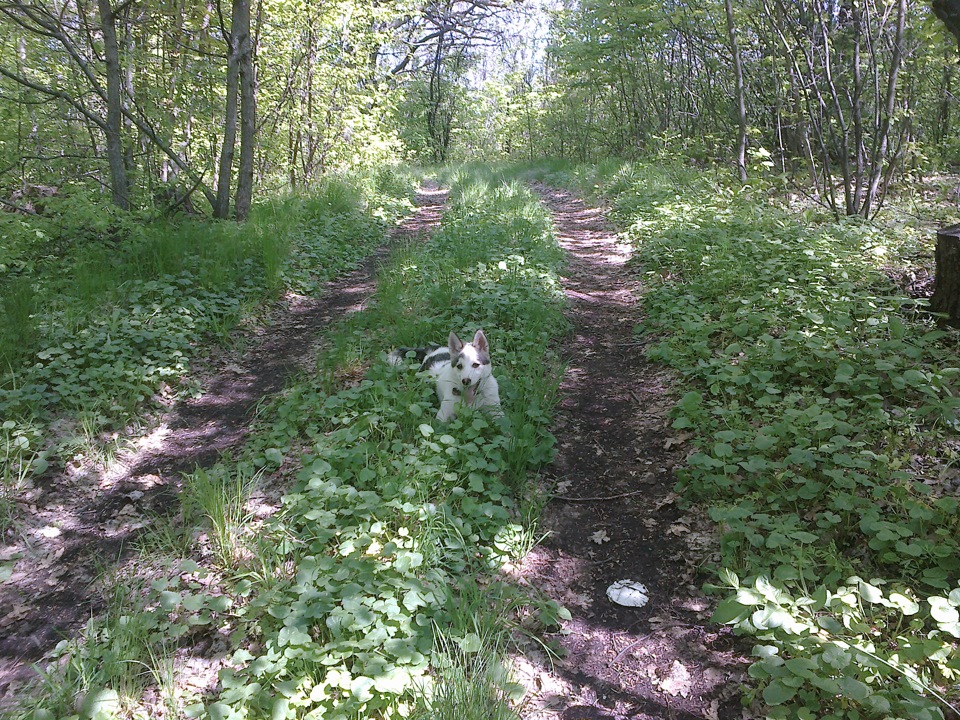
163 103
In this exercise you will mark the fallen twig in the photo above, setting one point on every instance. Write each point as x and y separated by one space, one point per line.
599 499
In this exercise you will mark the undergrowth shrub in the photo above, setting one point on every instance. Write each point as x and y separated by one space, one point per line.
820 401
100 326
372 593
357 602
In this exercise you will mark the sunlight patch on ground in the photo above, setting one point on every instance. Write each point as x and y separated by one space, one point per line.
118 469
547 693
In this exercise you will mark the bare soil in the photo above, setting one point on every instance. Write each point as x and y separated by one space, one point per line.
87 515
615 516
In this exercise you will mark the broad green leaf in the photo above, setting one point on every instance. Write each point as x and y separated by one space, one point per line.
764 442
836 656
729 611
729 577
870 593
802 666
293 636
362 688
951 627
363 617
218 711
942 610
194 602
393 679
281 707
906 605
769 618
407 560
853 688
320 467
777 693
169 600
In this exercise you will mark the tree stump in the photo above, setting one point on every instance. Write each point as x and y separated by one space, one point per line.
946 293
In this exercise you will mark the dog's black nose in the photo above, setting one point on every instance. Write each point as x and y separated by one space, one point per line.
466 381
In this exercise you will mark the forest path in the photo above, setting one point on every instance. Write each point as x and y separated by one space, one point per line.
615 516
88 516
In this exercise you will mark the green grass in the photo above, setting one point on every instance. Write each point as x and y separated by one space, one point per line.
103 309
218 499
113 664
21 456
373 592
816 394
390 506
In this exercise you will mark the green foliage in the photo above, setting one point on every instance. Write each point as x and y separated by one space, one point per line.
338 222
390 509
128 647
827 653
372 592
97 327
652 79
816 396
21 457
325 102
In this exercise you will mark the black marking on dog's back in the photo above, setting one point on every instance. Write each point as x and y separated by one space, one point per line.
432 358
418 353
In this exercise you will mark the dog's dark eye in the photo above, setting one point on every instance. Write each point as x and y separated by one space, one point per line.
476 365
459 366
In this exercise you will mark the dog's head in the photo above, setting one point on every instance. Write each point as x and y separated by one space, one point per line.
470 361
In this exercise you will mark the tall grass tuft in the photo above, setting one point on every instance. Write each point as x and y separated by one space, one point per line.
19 333
218 498
103 672
471 684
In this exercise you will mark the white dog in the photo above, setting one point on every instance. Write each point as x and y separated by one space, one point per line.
462 372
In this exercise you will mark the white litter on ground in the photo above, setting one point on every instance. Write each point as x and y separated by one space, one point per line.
629 593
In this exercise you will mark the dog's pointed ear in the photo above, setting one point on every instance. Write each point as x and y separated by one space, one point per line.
455 344
480 342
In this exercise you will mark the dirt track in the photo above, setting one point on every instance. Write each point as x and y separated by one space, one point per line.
615 516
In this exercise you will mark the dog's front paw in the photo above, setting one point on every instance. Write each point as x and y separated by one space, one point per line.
447 412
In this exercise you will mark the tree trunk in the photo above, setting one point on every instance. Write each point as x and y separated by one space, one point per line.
943 125
434 100
248 105
741 157
114 121
225 172
882 153
946 294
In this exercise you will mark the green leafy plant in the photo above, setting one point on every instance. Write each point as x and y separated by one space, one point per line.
815 393
388 507
21 457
